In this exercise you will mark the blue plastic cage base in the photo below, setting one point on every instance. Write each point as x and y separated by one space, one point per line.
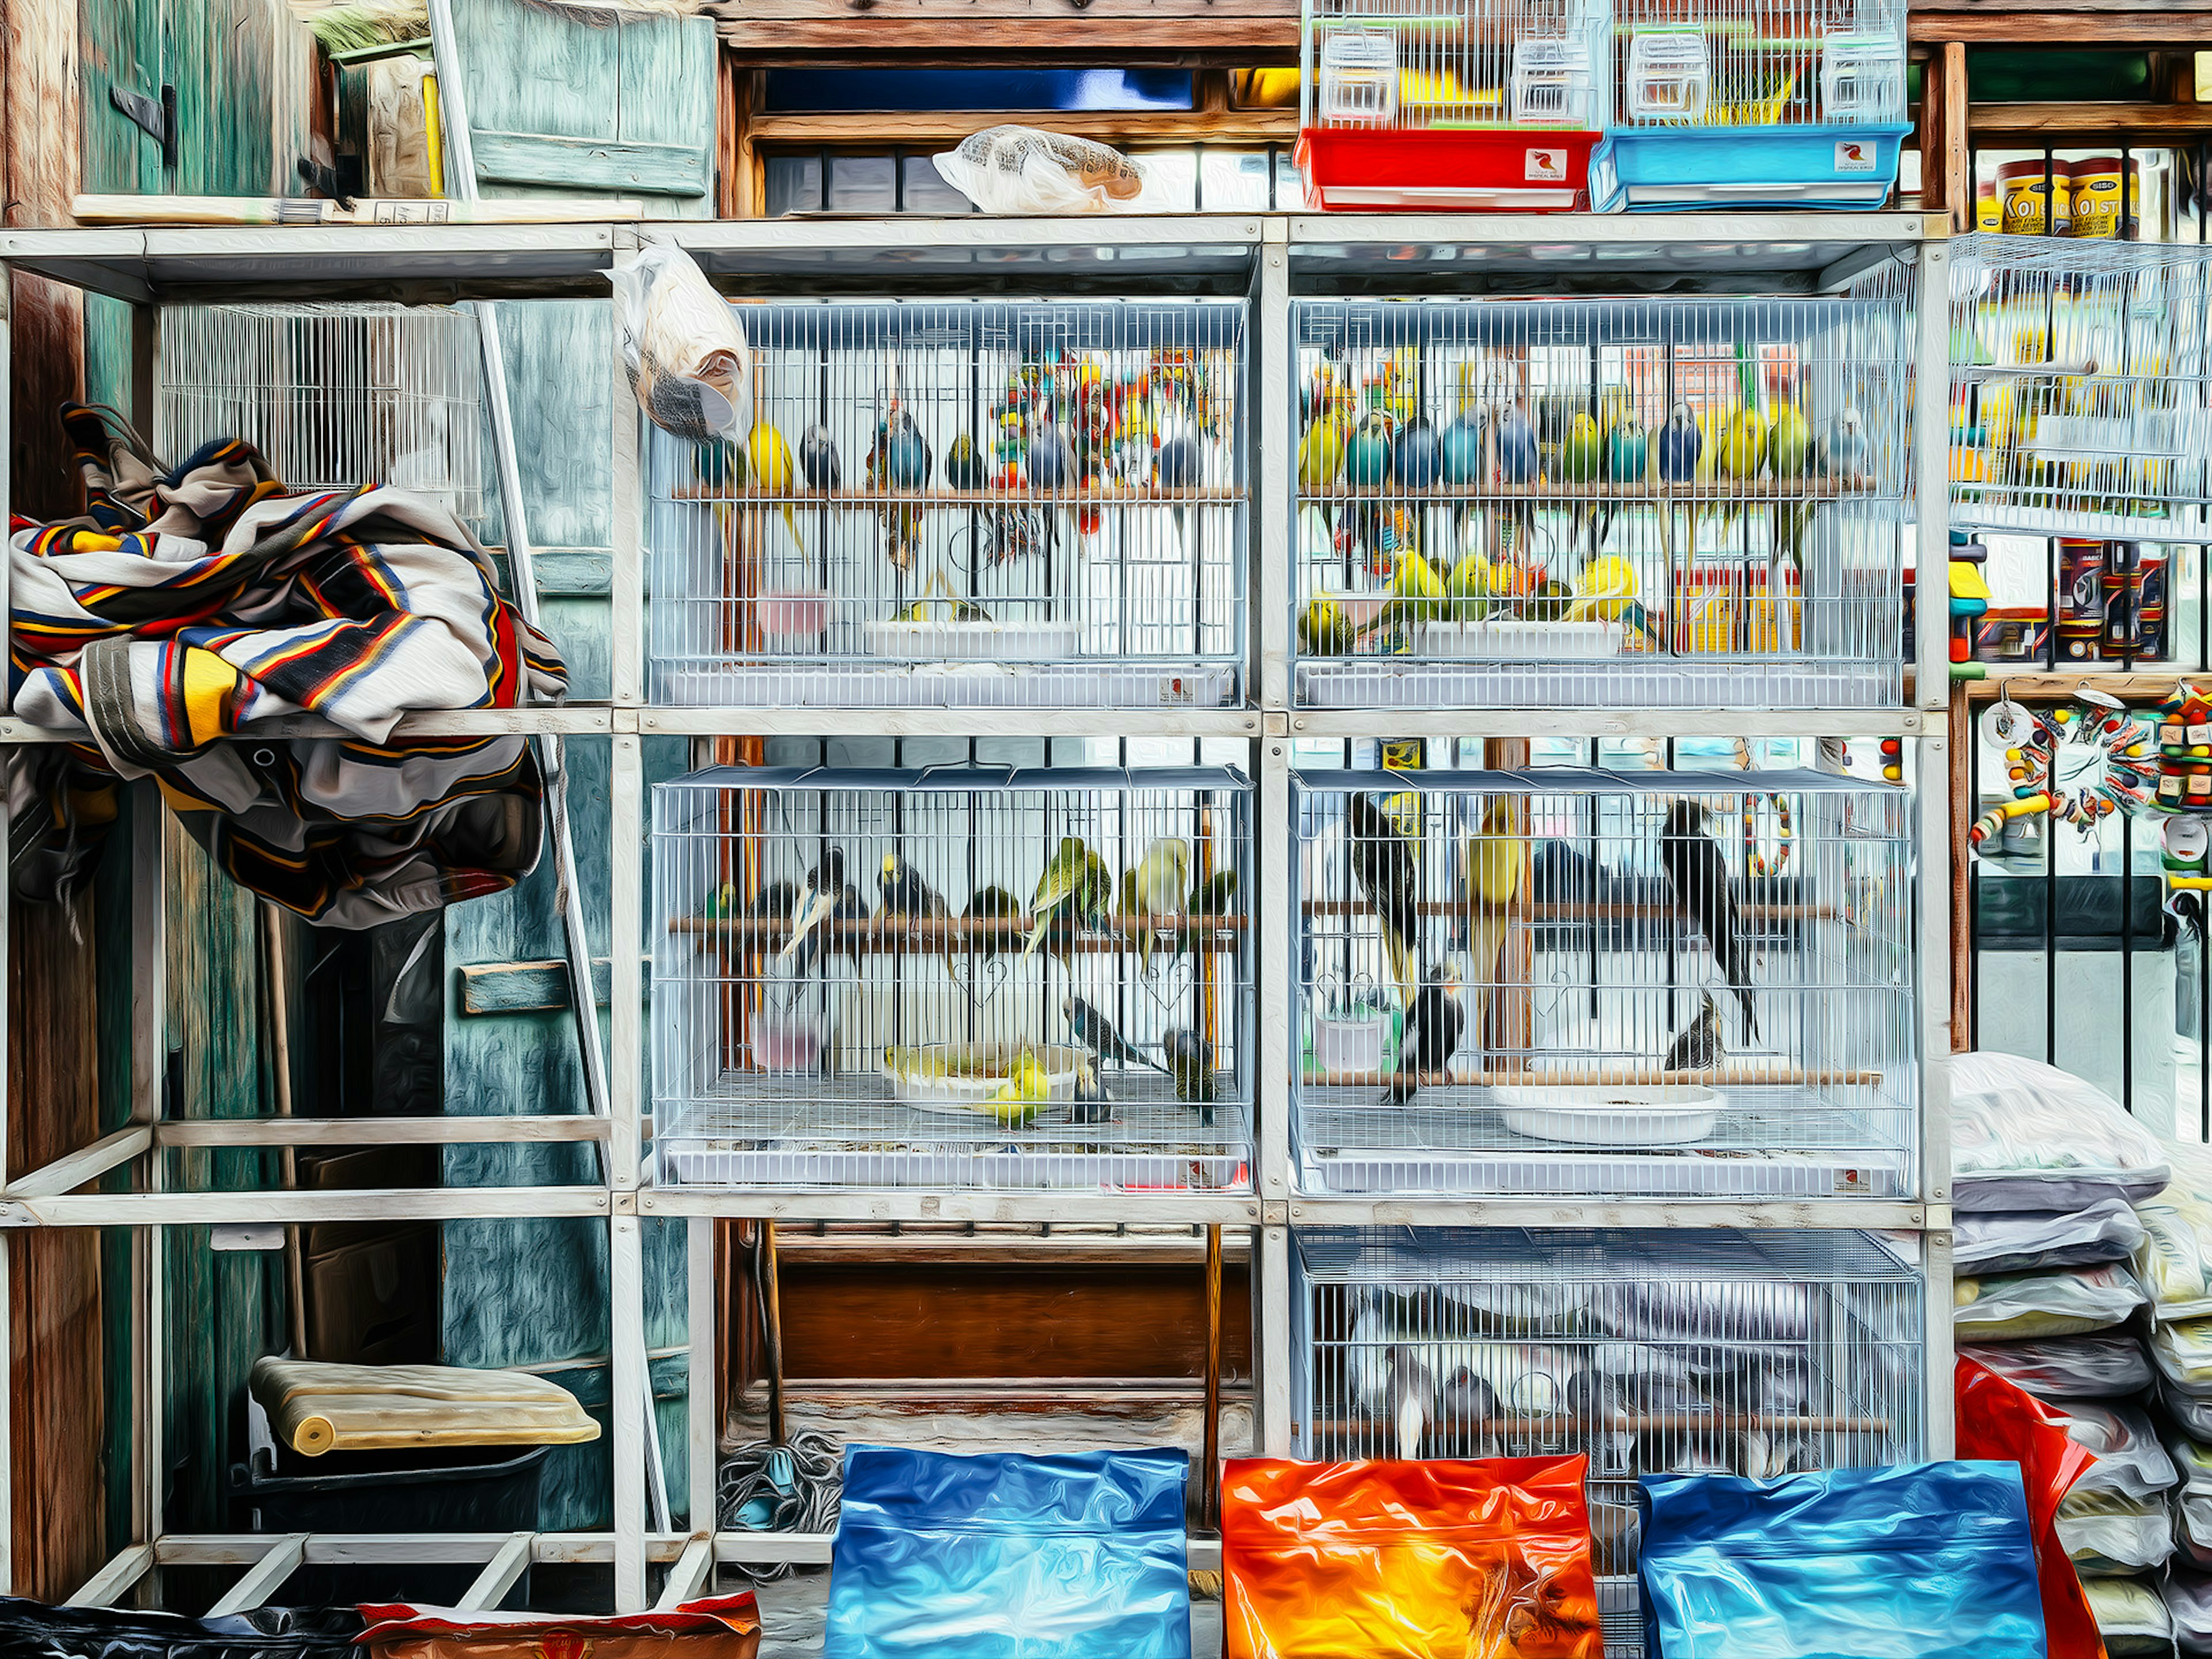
1648 168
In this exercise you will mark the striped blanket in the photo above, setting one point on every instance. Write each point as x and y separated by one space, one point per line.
190 604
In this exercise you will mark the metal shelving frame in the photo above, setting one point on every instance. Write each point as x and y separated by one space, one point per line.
1262 257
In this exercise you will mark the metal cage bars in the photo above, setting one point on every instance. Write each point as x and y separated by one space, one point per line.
1261 256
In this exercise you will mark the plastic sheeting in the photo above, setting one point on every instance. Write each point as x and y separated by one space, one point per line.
32 1630
2028 1306
1387 1560
1922 1561
2174 1260
709 1627
1065 1557
2131 1462
2027 1136
2189 1604
2008 1241
2110 1535
2130 1616
2106 1366
2002 1423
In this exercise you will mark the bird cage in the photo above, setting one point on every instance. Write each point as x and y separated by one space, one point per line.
333 395
976 977
1448 104
1532 503
1650 1352
962 504
2082 388
1753 103
1683 985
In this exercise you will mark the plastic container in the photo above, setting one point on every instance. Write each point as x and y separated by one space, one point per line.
1472 172
2021 190
1655 169
790 616
964 1096
2103 202
1520 641
972 642
1350 1044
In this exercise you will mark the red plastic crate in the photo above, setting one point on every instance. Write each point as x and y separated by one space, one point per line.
1490 171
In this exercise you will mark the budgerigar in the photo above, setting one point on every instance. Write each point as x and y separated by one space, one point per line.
1492 878
772 469
818 462
1163 878
1076 886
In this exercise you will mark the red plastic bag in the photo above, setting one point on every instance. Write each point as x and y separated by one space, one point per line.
712 1628
1389 1560
2003 1423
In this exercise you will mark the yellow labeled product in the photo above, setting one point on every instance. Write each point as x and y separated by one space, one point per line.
1988 211
1727 610
2096 193
2022 188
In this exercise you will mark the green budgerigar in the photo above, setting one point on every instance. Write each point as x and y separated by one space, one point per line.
1162 876
1076 884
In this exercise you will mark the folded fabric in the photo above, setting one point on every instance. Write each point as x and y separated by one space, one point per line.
1926 1561
1010 1557
2131 1615
2011 1241
711 1627
315 1408
2103 1366
1391 1560
2027 1136
196 602
2057 1302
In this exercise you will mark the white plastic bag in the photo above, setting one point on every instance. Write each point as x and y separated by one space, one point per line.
2027 1307
2105 1366
2183 1353
2131 1462
2027 1136
2188 1600
2011 1241
2129 1616
684 347
1013 169
2174 1260
2107 1534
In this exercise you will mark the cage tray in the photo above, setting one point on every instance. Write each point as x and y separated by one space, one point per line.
1495 170
1980 513
972 642
1651 681
1748 167
1152 1142
951 685
1659 1115
1520 642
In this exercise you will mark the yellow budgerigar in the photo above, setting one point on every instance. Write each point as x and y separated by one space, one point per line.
1496 868
772 467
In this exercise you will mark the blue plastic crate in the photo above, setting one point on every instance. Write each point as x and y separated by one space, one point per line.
1646 169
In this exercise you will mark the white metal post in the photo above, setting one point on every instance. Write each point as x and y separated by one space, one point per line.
1271 1339
627 592
1275 924
704 1385
632 1400
625 975
1274 482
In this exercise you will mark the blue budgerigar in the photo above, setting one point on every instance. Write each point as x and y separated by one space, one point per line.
900 457
1844 451
1051 461
1417 456
818 459
1516 446
1680 445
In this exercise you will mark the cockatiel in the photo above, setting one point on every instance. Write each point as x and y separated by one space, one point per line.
1386 864
1075 886
1704 900
1492 876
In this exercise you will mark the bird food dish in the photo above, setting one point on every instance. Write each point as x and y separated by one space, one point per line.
1657 1116
962 1079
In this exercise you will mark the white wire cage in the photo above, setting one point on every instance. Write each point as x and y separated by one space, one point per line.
913 1038
2082 388
1609 984
1754 103
1450 103
963 503
1533 503
333 395
1650 1351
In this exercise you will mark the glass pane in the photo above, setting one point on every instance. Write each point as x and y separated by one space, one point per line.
794 185
1234 181
863 184
1264 88
925 190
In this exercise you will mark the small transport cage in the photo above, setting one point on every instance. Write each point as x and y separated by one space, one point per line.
963 503
1650 1352
972 977
2082 388
1753 104
1579 984
1602 503
1451 104
333 395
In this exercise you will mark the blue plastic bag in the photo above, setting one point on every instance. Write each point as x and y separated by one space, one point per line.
1925 1561
1007 1557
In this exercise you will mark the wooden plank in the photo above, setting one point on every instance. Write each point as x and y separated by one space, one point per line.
1945 183
2064 124
2054 25
530 158
379 1131
264 1578
105 1587
499 1575
942 130
689 1576
67 1174
665 95
521 988
574 572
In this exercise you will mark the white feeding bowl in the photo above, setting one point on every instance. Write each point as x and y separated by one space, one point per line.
792 615
1349 1043
1592 1115
975 1071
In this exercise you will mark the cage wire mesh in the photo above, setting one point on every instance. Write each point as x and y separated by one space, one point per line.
967 503
1650 1351
1541 502
908 1034
2082 388
1588 983
333 395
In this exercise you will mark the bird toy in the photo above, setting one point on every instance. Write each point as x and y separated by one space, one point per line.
1755 858
2042 786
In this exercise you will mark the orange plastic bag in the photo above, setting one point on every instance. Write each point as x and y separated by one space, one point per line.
1387 1560
2000 1422
712 1628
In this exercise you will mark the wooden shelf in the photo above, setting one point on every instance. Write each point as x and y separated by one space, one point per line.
924 938
1116 496
1716 493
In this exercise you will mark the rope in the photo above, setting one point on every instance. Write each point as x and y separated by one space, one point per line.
795 1487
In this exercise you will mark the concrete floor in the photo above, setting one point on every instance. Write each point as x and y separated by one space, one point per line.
792 1611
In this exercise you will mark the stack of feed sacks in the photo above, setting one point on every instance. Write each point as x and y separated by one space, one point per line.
2174 1264
2046 1172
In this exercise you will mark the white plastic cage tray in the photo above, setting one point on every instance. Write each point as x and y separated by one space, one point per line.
950 685
969 1096
1648 681
1662 1114
1520 642
972 642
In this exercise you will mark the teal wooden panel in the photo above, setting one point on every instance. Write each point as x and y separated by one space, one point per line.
584 164
241 70
118 44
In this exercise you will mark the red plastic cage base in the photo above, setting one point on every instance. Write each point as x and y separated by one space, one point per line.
1387 168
